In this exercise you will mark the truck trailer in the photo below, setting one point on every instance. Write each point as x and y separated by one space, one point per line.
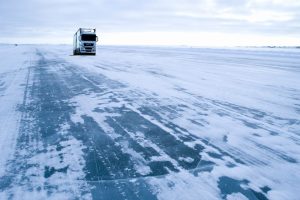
84 42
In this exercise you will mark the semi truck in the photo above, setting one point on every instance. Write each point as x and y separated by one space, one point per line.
84 41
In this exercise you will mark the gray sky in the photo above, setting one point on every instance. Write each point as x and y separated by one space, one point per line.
165 22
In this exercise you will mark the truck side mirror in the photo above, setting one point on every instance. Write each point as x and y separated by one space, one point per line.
96 38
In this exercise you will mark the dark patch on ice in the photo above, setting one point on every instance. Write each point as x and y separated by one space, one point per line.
214 155
225 138
5 182
59 147
198 147
49 171
265 189
256 134
273 133
230 164
203 166
221 113
229 186
196 122
251 125
2 86
161 168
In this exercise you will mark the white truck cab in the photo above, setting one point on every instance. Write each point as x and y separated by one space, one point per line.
84 41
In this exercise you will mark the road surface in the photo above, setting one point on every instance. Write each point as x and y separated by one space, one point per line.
149 123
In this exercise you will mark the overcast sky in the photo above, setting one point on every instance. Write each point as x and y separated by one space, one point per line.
154 22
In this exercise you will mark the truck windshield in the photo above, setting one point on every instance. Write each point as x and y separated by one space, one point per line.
88 37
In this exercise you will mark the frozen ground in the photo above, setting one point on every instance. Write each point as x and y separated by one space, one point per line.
149 123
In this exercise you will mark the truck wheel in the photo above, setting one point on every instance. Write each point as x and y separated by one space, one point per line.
74 53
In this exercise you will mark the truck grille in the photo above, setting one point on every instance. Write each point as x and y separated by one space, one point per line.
88 44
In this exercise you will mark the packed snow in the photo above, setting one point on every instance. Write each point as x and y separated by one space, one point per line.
149 123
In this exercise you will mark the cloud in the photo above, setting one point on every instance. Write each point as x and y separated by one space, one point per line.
35 18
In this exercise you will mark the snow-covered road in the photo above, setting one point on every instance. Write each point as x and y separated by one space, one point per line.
149 123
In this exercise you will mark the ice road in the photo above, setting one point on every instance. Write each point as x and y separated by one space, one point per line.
149 123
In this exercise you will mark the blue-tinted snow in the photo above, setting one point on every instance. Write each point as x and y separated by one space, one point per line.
149 123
